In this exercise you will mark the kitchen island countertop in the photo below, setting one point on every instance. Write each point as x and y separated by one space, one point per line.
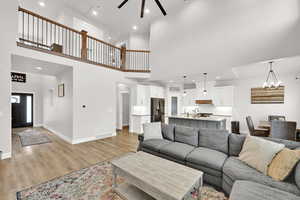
212 118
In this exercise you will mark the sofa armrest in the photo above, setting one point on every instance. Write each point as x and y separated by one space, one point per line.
141 138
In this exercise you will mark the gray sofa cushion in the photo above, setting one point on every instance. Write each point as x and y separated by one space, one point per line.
154 144
236 144
206 170
287 143
177 150
245 190
237 170
214 139
186 135
208 158
168 131
297 174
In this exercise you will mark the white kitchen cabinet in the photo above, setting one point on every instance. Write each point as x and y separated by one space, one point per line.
157 92
223 96
190 98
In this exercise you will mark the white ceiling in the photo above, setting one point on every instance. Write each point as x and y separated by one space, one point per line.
29 65
282 67
118 21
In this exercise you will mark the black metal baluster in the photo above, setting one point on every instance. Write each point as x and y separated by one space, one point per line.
23 28
33 28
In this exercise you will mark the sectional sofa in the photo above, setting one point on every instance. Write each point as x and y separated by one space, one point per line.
215 152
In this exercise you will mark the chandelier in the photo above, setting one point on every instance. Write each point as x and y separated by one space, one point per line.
272 80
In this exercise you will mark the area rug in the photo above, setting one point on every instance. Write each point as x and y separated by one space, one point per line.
92 183
33 137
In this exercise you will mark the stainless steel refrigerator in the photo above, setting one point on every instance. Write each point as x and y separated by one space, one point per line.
157 110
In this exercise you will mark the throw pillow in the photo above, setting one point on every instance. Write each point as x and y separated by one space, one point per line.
283 164
168 131
259 153
152 131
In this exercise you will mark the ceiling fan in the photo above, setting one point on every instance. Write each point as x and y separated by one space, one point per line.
143 7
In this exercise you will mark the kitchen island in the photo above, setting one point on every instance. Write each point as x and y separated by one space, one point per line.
199 122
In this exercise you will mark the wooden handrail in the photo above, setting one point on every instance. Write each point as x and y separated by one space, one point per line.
139 51
48 20
78 45
113 46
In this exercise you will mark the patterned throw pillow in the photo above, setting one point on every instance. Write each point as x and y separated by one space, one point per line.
283 164
259 153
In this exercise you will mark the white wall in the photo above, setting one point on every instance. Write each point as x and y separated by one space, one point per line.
34 85
243 107
58 111
8 44
92 30
214 36
94 87
138 41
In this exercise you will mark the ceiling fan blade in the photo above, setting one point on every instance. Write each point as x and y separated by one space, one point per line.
143 8
122 4
161 7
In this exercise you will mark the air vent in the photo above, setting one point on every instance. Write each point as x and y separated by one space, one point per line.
174 89
189 86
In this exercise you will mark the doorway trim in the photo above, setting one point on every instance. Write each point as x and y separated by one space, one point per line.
32 104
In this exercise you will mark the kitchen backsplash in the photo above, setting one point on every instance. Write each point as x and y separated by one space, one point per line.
216 110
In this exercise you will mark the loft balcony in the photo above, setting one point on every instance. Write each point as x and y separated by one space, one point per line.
41 34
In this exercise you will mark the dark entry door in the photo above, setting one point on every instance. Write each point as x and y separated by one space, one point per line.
22 110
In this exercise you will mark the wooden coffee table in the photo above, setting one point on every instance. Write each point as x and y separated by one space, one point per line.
148 177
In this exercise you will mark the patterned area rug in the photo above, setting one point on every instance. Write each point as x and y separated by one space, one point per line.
33 137
92 183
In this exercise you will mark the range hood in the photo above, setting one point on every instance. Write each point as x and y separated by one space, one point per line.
209 102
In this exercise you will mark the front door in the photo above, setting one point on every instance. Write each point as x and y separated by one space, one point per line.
22 110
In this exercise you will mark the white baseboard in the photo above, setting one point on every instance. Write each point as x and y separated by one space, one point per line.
79 140
38 125
89 139
5 156
65 138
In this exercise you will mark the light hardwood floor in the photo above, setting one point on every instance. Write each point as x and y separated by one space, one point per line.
33 165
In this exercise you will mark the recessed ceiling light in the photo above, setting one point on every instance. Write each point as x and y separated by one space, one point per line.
109 38
194 81
218 77
42 3
147 10
135 28
171 81
94 12
38 68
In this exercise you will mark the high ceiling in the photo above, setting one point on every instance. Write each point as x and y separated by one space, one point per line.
118 21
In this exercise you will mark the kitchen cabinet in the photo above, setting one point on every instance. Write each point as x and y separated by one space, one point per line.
190 98
223 96
157 92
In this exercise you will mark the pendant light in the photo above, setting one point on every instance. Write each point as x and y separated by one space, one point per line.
184 92
272 80
204 84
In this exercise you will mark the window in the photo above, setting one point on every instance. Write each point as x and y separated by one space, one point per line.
15 99
29 109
